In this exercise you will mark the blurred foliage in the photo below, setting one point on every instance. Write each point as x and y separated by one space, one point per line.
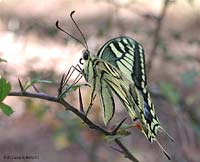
49 75
48 78
104 27
188 77
191 2
2 60
36 108
66 128
162 45
170 91
175 58
68 131
69 123
177 35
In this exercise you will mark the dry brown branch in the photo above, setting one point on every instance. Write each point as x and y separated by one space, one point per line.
81 115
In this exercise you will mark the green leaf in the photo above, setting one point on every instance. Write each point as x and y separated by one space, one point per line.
169 90
74 87
5 88
6 109
120 134
70 88
34 81
188 77
2 60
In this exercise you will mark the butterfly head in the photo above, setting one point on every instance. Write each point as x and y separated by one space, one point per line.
85 56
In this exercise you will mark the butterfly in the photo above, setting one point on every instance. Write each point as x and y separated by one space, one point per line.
119 68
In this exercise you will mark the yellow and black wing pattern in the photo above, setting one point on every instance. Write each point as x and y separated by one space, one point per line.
106 79
127 55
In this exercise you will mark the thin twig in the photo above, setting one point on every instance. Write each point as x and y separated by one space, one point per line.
125 150
80 114
157 35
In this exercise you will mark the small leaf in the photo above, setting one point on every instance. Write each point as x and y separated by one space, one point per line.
34 81
127 126
70 88
6 109
5 88
112 138
120 134
123 132
43 81
74 87
2 60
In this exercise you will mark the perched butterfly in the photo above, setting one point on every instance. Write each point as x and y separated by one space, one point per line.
119 68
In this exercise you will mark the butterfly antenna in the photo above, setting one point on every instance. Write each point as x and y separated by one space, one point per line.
61 29
85 43
162 148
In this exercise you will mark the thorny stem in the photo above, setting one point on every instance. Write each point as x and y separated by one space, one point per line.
80 114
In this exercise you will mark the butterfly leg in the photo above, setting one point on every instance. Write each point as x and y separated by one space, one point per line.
81 101
93 96
65 78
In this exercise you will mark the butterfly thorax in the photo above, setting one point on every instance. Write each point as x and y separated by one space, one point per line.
88 69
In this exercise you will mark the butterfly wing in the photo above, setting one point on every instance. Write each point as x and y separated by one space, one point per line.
128 56
104 79
107 101
111 79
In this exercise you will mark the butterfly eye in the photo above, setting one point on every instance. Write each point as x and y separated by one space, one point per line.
86 54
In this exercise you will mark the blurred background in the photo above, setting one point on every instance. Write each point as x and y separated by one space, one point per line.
35 48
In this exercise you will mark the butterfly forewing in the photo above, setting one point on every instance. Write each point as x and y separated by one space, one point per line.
127 55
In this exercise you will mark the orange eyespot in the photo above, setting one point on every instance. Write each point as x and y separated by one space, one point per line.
138 126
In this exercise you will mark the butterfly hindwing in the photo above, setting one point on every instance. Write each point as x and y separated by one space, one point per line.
107 102
112 79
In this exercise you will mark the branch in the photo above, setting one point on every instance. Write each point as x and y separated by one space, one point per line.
125 151
80 114
157 35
